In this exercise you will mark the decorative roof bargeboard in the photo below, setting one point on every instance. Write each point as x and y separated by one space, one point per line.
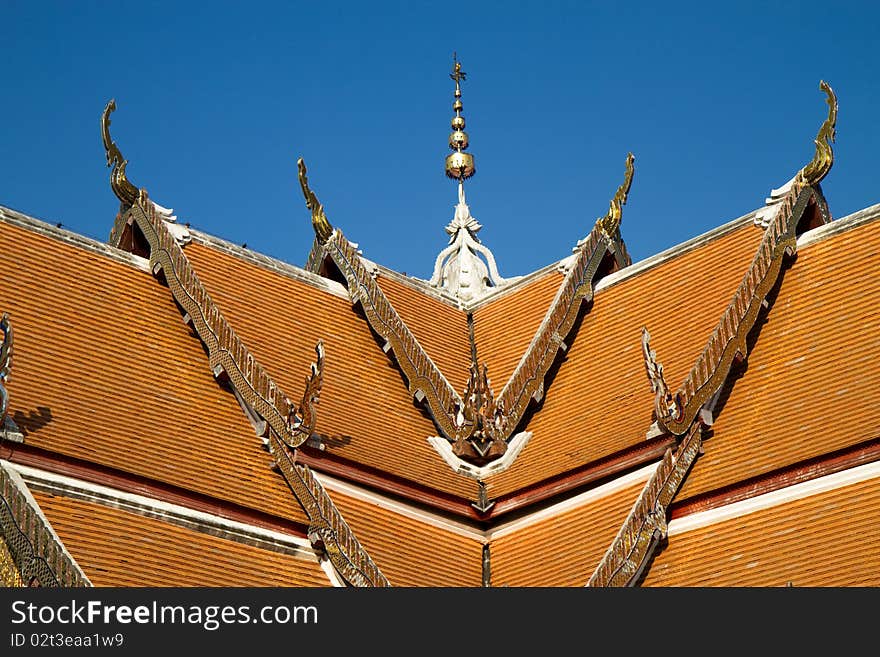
728 340
289 426
645 526
124 190
424 377
327 528
527 381
226 351
40 558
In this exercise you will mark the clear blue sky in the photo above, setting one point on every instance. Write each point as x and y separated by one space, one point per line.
719 102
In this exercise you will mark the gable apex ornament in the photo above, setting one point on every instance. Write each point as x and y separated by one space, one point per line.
823 158
320 224
610 223
458 268
126 192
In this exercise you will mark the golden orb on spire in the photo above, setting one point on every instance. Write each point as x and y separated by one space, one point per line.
459 165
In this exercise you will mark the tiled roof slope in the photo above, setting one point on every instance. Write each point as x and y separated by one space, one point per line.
410 548
564 546
810 387
589 414
366 415
120 548
441 329
128 387
819 538
504 327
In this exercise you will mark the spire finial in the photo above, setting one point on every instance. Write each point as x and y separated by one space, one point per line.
459 165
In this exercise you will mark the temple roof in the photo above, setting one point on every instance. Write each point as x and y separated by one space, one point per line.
345 424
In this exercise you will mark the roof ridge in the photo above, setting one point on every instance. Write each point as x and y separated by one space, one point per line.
727 343
167 511
527 381
425 380
685 413
849 222
271 263
42 227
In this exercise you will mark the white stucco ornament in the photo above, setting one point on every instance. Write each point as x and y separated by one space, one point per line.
459 269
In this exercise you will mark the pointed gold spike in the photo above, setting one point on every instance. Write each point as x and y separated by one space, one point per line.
821 163
322 227
459 165
611 221
124 190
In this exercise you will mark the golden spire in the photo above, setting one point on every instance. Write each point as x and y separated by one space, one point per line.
459 165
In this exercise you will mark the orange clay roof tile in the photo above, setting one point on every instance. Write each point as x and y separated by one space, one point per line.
504 327
408 551
441 329
831 538
121 548
129 386
564 549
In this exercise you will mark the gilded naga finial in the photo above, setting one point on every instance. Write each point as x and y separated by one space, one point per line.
322 227
124 190
459 165
821 163
666 405
611 221
304 417
5 365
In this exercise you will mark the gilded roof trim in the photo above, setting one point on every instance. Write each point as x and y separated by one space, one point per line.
126 192
424 378
289 426
327 528
728 340
36 550
527 381
479 435
646 524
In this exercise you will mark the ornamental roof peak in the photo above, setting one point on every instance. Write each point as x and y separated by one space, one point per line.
459 269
